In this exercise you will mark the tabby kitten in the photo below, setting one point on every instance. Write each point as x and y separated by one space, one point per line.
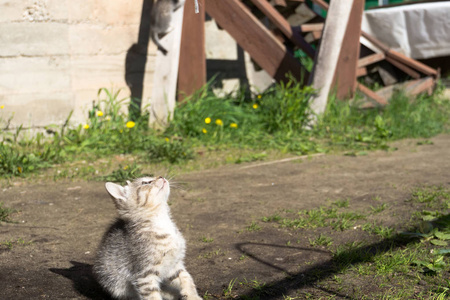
141 255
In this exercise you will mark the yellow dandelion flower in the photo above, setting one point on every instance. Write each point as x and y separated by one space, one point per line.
19 169
255 106
130 124
86 126
204 130
167 139
99 113
234 125
208 120
125 168
219 122
2 107
259 96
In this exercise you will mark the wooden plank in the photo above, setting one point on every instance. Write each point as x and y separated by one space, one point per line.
361 72
400 57
254 38
403 67
345 76
370 59
281 3
192 66
281 23
312 27
371 94
425 84
162 103
317 35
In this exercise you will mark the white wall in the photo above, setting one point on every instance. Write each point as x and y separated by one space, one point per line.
56 54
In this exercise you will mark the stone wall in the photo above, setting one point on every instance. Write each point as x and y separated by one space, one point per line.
56 54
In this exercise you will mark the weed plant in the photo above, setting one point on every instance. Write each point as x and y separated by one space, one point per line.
279 119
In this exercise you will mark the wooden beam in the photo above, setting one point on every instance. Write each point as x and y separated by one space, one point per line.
164 89
371 94
424 84
317 35
370 59
281 23
400 57
192 65
281 3
403 67
361 72
312 27
326 61
345 76
254 38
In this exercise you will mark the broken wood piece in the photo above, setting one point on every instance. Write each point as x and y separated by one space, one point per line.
403 68
410 88
371 94
281 23
255 38
370 59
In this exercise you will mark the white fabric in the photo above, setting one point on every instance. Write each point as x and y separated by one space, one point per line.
417 30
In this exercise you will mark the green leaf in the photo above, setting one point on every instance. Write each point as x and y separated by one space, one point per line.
428 218
443 251
438 242
442 235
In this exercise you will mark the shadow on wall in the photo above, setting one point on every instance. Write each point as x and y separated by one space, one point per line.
136 61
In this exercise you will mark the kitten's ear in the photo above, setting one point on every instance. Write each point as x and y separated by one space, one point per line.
116 191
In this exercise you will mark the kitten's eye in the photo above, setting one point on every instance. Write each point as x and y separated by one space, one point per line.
144 182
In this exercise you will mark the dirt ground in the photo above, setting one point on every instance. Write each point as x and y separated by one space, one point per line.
59 225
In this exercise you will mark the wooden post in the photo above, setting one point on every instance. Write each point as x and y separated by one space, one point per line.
254 38
192 66
345 75
162 103
329 51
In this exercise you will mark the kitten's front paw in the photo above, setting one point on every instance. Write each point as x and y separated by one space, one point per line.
191 297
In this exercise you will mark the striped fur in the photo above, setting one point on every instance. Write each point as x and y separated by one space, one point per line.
142 254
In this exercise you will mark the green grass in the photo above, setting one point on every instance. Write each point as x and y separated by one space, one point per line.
10 244
5 214
319 217
276 120
408 260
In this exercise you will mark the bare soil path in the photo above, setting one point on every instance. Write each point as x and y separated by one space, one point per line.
64 221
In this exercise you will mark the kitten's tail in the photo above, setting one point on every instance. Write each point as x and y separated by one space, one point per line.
155 39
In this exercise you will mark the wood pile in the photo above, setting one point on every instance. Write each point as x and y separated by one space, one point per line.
272 43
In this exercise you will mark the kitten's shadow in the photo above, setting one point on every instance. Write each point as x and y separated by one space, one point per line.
83 280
